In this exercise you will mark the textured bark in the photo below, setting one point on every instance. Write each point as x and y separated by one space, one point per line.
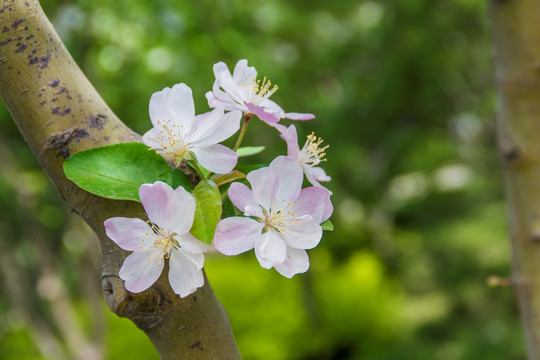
59 113
516 33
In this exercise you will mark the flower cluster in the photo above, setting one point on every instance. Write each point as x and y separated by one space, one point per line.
275 216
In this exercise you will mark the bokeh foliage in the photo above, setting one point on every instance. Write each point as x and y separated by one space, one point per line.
403 93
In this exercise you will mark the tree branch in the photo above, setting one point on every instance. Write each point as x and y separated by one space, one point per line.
516 34
59 113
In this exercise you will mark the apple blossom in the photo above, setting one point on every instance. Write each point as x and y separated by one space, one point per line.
242 91
177 132
309 156
165 236
282 219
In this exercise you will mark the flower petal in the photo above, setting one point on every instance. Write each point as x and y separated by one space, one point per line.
242 197
316 174
270 249
297 261
235 235
179 211
314 201
302 233
191 244
291 137
266 116
223 76
214 127
129 233
174 104
216 158
154 198
289 179
141 269
184 276
263 182
298 116
243 73
149 138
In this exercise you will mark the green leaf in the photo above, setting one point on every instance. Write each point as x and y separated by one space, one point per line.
228 209
228 178
249 150
327 225
117 171
207 212
180 179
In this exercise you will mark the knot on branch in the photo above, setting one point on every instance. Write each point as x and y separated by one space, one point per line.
146 309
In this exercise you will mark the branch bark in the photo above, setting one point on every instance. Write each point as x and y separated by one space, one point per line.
59 113
516 34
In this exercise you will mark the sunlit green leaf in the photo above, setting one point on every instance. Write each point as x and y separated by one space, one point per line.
228 208
208 210
117 171
327 225
249 150
180 179
228 178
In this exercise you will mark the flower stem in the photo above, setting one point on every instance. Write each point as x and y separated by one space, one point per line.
247 117
195 166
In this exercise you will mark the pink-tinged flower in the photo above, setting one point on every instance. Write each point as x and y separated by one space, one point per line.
309 156
165 236
242 91
177 132
282 219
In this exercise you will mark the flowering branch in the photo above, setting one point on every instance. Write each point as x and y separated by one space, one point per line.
59 113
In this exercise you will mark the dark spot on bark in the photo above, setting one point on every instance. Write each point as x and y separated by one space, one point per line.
43 102
54 99
535 238
26 4
4 42
43 60
106 138
17 23
194 298
62 90
29 37
98 121
55 110
511 154
5 29
54 83
65 112
69 97
21 48
61 141
195 344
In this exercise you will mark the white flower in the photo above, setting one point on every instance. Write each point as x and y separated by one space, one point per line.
282 219
309 156
177 132
242 91
165 236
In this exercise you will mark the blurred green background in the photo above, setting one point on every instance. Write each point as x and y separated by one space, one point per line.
403 94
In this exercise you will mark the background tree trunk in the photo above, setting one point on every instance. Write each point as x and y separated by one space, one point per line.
59 113
516 33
